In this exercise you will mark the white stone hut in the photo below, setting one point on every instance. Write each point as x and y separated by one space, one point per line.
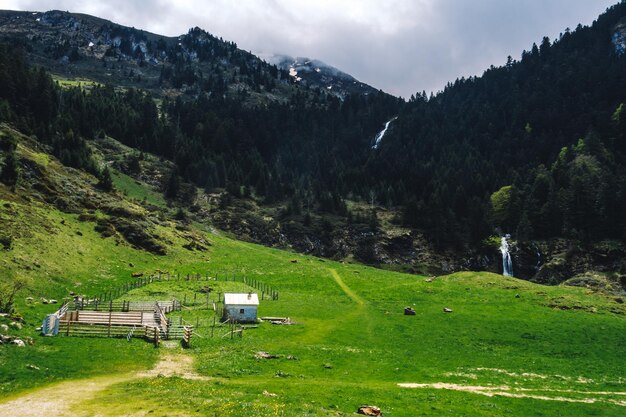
241 307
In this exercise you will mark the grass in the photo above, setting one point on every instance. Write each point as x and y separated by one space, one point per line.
65 82
545 350
135 190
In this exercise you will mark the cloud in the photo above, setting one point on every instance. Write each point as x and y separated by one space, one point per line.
400 46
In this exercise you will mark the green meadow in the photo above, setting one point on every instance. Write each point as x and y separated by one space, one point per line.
508 347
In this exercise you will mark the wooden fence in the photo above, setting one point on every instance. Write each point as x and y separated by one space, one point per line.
68 328
266 291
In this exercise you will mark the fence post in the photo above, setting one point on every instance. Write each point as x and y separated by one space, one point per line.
110 314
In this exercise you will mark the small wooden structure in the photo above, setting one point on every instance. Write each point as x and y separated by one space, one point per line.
241 307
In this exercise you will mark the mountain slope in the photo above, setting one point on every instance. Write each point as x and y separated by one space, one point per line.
534 149
77 45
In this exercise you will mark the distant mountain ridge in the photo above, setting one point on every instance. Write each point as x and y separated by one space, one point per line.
80 45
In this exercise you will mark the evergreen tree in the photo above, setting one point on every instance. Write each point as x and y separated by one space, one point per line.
105 181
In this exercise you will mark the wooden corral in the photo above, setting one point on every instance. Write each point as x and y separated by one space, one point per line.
122 319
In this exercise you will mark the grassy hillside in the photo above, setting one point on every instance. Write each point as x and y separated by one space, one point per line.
508 347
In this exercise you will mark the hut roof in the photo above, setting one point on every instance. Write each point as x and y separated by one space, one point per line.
240 299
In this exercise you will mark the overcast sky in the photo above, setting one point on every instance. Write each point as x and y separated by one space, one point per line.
400 46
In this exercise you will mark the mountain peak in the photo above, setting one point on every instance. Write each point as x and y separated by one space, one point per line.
318 74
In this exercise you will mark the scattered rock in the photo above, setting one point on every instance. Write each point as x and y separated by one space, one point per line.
517 296
19 342
269 394
619 300
369 410
4 328
294 261
409 311
52 301
328 366
130 264
136 274
15 325
29 299
44 301
447 310
35 367
264 355
292 358
429 280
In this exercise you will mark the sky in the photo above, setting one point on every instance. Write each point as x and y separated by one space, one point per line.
399 46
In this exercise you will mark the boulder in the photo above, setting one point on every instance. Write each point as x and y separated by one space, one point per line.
447 310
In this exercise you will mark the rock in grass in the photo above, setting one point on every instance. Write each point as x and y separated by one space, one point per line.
4 328
19 342
264 355
15 325
369 410
328 366
447 310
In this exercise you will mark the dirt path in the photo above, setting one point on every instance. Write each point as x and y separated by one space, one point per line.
58 399
591 397
174 364
345 288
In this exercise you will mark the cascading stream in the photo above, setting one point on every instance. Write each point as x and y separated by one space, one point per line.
381 134
507 263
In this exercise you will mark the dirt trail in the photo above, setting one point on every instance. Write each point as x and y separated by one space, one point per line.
505 391
172 364
58 399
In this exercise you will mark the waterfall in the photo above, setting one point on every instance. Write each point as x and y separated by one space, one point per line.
538 259
381 134
507 263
